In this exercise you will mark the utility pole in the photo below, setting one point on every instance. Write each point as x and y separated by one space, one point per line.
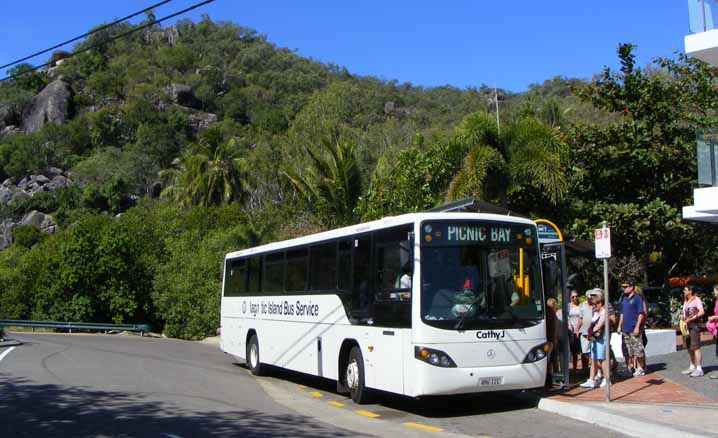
496 102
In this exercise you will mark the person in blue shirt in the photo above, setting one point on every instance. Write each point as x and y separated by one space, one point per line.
629 325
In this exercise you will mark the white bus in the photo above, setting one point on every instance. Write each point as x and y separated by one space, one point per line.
419 304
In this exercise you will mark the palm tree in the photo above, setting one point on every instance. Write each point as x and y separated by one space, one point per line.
331 184
207 175
526 152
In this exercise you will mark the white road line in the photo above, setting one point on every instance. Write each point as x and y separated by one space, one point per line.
169 435
6 352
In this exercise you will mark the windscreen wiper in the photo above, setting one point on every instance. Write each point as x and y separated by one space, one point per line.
460 322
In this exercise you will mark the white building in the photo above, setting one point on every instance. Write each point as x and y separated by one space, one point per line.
702 43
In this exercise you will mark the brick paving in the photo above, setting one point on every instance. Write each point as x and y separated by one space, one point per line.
663 384
652 388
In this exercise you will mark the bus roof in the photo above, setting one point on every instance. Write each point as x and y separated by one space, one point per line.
386 222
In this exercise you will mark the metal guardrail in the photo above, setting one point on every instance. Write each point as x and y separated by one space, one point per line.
141 328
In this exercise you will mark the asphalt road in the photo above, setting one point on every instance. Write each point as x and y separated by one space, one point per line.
127 386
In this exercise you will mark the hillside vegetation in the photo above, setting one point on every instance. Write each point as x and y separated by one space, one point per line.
176 145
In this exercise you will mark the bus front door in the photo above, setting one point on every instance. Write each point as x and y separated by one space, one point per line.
553 263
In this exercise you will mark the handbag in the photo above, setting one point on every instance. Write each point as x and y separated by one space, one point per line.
683 327
594 335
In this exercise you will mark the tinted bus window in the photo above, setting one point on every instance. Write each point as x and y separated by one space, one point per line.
273 273
394 264
236 278
324 267
255 275
297 270
345 265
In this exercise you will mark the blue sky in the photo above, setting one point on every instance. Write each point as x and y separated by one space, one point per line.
461 43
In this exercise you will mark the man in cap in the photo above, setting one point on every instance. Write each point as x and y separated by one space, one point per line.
632 317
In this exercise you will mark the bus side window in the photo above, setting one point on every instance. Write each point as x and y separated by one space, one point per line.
297 270
255 275
273 273
394 265
344 266
323 267
362 290
236 278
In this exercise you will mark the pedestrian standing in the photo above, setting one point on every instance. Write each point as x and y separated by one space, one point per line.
552 335
598 343
644 337
574 327
585 320
712 324
629 325
692 312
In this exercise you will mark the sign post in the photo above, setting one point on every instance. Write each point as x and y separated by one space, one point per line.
603 251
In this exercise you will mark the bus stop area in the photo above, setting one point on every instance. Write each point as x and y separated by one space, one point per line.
663 402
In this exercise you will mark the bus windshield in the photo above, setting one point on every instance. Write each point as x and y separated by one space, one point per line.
480 275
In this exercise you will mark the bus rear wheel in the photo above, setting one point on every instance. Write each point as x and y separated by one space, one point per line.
253 362
354 377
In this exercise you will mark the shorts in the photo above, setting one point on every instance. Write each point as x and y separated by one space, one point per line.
634 345
694 338
598 349
585 345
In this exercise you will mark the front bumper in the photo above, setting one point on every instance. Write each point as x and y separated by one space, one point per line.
432 380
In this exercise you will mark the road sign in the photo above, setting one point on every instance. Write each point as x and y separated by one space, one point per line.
602 237
548 232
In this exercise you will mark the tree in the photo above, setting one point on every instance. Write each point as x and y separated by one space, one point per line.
525 153
27 78
207 174
637 171
331 184
415 180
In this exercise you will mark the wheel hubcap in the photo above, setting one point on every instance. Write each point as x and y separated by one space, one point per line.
353 375
253 356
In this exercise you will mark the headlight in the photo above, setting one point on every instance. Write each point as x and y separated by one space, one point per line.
538 352
434 357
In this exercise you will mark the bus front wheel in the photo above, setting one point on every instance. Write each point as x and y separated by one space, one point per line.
253 362
354 375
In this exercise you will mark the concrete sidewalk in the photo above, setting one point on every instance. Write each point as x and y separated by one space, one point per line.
662 403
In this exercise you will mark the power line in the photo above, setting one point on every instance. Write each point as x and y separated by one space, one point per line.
124 34
101 28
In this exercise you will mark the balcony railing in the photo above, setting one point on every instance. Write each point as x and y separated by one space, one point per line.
702 15
707 158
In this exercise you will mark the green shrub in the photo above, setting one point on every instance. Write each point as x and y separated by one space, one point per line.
187 286
15 296
25 235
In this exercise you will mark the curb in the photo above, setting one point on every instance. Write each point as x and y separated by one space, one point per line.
10 343
618 423
345 418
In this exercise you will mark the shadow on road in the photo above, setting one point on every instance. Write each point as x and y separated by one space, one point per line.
31 410
429 407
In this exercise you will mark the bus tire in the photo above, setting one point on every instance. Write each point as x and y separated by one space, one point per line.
354 377
253 362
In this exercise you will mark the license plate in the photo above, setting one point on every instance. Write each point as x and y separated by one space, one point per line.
489 381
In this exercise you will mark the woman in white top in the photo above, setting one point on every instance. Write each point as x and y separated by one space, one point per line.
574 327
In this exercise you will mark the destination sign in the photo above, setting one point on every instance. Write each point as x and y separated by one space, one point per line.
457 233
